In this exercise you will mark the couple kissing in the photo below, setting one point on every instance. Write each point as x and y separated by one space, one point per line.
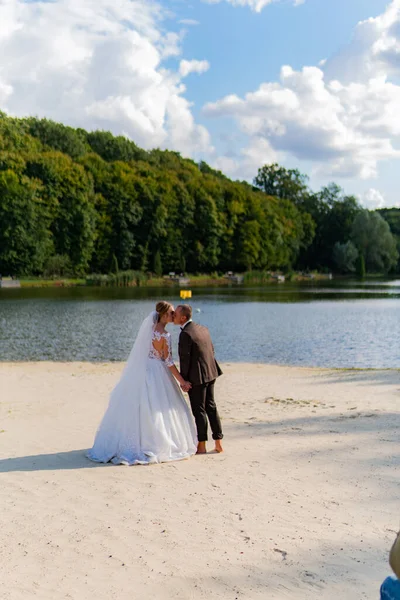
147 419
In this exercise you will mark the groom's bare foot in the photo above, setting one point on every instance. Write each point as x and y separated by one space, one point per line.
218 446
201 448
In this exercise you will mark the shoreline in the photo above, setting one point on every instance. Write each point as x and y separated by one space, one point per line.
193 280
302 504
121 363
196 281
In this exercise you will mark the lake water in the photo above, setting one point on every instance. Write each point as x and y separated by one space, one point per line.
337 324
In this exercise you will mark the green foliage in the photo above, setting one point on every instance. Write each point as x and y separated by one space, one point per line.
112 148
205 168
14 136
333 213
327 216
58 137
250 244
257 277
114 265
120 279
360 266
68 194
374 241
73 202
157 268
288 184
392 217
58 265
345 256
25 239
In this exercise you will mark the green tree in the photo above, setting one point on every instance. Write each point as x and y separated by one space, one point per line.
372 236
360 266
392 217
277 181
118 192
114 265
206 232
25 239
333 213
68 192
249 244
100 196
58 266
14 136
112 148
58 137
157 267
345 257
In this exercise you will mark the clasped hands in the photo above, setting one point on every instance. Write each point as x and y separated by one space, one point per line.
186 386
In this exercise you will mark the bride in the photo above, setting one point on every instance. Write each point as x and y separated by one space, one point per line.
147 419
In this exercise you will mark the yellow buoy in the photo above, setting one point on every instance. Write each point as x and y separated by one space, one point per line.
185 294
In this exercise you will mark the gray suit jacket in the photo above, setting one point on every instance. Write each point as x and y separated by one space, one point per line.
196 355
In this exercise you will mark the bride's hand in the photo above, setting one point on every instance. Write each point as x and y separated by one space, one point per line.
186 386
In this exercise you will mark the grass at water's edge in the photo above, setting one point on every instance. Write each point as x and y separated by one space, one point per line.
254 278
51 282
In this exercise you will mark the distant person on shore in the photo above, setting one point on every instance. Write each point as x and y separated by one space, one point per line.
390 588
199 367
148 419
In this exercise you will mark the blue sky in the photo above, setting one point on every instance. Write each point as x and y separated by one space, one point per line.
245 48
216 90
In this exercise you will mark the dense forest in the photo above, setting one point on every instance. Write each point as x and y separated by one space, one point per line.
77 202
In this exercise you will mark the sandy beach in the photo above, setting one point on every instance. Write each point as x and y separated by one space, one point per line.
303 504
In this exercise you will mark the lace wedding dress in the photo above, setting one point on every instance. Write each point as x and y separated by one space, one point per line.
147 419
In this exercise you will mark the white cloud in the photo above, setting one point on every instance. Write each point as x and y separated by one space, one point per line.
373 199
189 22
5 92
256 5
193 66
97 64
374 50
344 130
344 124
247 162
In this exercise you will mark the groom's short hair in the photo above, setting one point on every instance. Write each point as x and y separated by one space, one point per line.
186 310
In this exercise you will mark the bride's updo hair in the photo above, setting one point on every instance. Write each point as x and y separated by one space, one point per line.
162 308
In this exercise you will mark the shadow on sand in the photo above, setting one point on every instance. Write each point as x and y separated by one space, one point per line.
59 461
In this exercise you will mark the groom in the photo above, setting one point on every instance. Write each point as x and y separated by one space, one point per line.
199 367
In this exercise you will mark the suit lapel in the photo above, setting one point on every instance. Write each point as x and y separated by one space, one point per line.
188 326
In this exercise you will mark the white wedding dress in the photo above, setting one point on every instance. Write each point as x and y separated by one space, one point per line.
147 419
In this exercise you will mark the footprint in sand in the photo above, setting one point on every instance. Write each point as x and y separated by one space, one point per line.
343 417
289 402
283 552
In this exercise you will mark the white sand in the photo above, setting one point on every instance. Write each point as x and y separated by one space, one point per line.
303 504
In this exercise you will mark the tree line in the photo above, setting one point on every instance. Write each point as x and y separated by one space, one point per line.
89 202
